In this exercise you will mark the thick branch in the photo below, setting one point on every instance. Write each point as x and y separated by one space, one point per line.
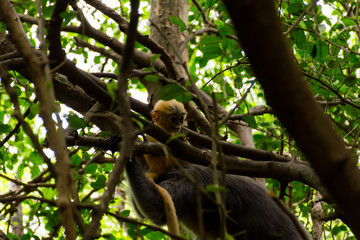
141 58
294 104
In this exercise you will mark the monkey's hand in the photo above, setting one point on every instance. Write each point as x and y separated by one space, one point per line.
114 140
153 148
152 176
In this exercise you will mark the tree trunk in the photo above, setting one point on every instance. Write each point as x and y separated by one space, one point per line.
167 35
170 35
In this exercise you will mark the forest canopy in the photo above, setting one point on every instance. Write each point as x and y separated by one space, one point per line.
271 89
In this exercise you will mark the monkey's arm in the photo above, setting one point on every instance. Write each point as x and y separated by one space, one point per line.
145 194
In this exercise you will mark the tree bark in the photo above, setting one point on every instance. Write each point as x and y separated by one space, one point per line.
167 35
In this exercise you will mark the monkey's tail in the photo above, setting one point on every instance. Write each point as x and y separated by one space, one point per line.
170 212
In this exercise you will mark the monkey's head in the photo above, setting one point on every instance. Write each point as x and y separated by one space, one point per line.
169 115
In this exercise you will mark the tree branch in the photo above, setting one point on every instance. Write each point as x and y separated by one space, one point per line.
311 129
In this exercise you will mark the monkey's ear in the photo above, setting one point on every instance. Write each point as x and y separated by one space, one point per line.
155 116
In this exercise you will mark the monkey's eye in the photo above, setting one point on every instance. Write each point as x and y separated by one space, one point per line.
173 119
181 119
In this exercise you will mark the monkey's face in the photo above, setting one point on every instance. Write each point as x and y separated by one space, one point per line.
176 122
172 123
169 115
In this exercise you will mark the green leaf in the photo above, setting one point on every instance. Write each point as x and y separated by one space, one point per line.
109 237
320 51
351 81
351 238
68 16
209 40
12 236
177 20
339 228
27 236
334 50
250 120
35 171
174 91
154 57
226 30
125 213
210 47
49 193
313 51
210 3
99 183
20 170
107 167
176 136
145 231
35 158
111 87
219 23
152 78
212 52
17 90
76 122
348 22
91 168
229 90
97 59
34 110
296 8
229 44
4 128
155 236
75 160
213 188
298 36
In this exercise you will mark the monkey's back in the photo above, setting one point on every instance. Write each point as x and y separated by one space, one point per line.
252 213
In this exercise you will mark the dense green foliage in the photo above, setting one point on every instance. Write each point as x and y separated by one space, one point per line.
325 44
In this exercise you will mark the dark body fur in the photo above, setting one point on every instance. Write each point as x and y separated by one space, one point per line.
255 215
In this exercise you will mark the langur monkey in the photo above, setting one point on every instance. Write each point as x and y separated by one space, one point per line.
251 213
170 116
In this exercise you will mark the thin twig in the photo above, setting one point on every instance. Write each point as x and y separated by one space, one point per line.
306 11
224 70
226 118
